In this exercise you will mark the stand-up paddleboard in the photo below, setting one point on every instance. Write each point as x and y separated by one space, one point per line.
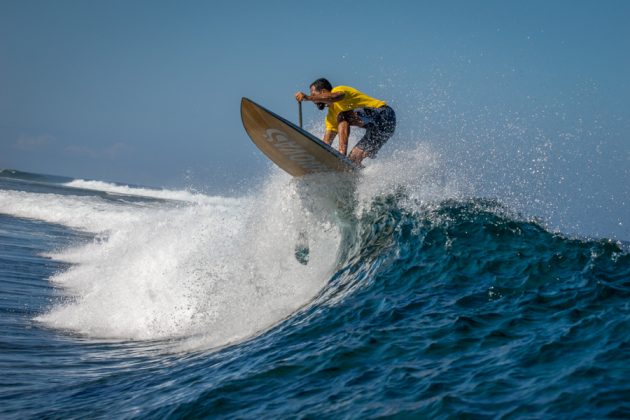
293 149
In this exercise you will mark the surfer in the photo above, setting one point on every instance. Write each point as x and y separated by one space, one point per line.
346 107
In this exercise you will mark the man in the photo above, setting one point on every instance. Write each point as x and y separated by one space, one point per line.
347 106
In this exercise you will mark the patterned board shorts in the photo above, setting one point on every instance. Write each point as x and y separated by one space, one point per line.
379 124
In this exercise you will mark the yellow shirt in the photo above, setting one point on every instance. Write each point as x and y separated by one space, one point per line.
352 99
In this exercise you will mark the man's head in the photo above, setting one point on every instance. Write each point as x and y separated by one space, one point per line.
320 85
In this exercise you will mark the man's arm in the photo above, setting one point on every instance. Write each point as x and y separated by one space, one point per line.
324 97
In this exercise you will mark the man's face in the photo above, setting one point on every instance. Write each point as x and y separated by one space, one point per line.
319 105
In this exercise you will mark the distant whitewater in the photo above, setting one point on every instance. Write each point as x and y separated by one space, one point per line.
418 300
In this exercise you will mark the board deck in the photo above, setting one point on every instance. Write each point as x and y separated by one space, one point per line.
293 149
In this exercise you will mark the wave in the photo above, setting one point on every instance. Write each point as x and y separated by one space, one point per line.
165 194
409 294
32 177
218 270
214 268
105 187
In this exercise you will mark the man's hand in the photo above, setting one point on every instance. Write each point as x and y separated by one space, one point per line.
301 97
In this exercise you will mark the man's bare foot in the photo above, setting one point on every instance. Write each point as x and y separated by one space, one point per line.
357 155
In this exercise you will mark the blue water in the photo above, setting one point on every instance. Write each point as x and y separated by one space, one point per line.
128 302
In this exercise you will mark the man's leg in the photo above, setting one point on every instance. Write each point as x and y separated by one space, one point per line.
377 132
344 121
344 132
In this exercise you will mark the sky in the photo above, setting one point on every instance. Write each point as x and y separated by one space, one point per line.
530 96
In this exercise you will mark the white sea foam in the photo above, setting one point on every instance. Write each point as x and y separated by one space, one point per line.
216 271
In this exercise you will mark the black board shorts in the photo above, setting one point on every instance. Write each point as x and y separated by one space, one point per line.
379 124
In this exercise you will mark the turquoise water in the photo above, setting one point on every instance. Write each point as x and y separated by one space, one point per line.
130 302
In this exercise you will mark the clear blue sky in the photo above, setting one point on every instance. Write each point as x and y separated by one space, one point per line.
148 92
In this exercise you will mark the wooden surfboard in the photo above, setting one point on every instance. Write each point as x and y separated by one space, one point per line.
293 149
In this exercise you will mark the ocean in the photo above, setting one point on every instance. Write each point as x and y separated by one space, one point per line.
395 293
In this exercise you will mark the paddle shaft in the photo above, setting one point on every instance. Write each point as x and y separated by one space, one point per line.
300 112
